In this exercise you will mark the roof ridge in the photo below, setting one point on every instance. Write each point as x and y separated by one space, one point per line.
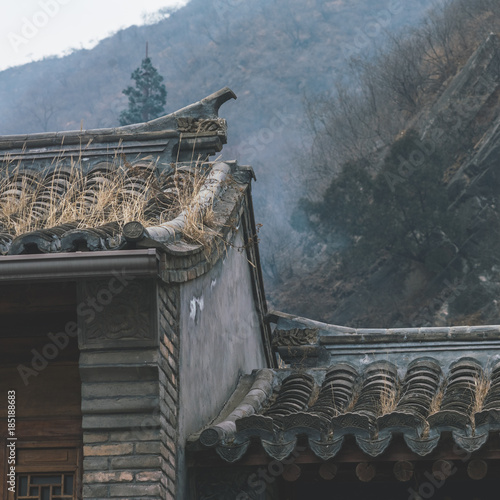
205 109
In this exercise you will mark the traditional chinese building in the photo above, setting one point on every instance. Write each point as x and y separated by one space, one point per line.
145 364
402 413
122 340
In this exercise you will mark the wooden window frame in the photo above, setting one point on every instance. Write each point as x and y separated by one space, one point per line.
46 457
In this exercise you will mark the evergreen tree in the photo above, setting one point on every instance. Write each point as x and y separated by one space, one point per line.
147 99
399 208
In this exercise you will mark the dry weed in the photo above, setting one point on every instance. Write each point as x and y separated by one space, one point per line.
481 386
352 402
437 400
426 430
31 200
388 400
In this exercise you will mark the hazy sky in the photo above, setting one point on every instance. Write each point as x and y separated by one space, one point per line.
32 29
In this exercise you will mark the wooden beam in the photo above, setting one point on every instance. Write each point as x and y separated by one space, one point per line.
37 297
350 453
49 428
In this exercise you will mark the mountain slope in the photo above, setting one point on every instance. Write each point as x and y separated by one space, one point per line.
270 53
450 276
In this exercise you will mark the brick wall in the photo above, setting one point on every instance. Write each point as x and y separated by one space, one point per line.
122 464
169 388
130 409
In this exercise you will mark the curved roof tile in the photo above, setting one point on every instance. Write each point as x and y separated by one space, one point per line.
371 404
48 168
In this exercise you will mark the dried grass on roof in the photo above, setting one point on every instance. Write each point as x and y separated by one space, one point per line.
120 192
388 400
482 384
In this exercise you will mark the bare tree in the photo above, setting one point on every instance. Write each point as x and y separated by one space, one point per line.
41 109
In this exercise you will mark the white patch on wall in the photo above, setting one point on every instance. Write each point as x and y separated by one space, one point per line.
226 254
196 306
213 283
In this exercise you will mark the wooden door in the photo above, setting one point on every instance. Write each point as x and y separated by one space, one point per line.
39 365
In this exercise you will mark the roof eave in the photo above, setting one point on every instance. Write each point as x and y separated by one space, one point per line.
72 266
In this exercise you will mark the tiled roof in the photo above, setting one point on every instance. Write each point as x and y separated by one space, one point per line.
312 343
45 167
370 402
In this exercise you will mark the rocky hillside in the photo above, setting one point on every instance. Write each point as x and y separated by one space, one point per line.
453 276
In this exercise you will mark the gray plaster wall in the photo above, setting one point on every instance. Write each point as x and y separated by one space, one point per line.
220 340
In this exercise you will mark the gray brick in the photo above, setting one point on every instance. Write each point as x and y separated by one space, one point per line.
172 392
141 434
135 490
114 389
168 400
93 437
171 444
119 404
136 462
95 490
126 422
167 370
170 318
149 447
106 450
95 463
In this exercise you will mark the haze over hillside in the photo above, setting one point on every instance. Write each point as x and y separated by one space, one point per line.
319 84
270 53
404 195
